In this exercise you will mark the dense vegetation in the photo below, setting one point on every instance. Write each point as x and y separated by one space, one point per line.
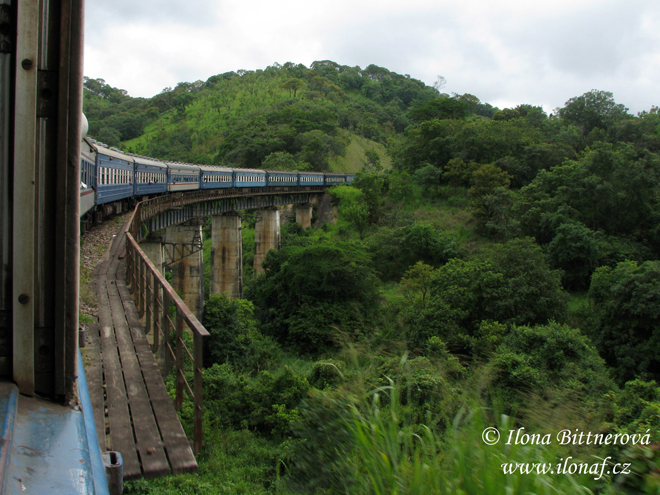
502 273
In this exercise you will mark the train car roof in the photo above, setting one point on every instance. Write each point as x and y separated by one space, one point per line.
281 171
312 173
251 170
214 168
145 160
112 153
87 148
183 166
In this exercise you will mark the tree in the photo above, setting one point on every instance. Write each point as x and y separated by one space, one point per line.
372 161
609 188
308 295
372 185
429 142
234 337
439 108
356 212
532 292
428 177
316 147
183 100
293 85
593 109
507 114
458 173
575 249
549 358
280 160
511 284
399 185
486 179
627 299
416 283
400 248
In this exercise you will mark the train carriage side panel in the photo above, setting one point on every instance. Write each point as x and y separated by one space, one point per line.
150 176
281 178
182 176
311 179
214 177
114 172
332 179
87 177
249 177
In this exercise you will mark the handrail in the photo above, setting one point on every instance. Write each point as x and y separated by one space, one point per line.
154 299
154 296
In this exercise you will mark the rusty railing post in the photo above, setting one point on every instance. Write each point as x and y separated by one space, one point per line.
129 261
197 351
166 328
179 359
141 284
156 314
149 300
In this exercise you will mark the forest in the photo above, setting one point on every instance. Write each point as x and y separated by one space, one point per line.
488 268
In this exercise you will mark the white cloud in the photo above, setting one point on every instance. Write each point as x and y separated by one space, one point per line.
504 52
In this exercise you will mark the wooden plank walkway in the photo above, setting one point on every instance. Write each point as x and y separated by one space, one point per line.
133 412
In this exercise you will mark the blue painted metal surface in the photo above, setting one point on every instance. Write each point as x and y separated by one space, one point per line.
8 406
248 177
311 179
98 466
276 178
48 448
50 451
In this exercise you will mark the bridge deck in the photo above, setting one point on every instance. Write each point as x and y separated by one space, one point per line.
133 413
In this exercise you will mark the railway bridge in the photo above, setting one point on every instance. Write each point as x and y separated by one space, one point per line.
130 348
49 442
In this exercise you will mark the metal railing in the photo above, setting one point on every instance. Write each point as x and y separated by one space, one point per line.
156 301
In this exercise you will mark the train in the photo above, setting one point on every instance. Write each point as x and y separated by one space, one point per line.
112 181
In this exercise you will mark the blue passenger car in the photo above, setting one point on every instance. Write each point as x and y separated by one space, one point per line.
334 179
275 178
87 177
350 178
216 177
310 179
114 175
182 176
249 177
150 176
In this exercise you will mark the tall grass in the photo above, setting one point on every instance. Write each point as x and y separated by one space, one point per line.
396 457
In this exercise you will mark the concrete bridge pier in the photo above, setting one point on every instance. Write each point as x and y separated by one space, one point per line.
304 215
183 247
227 255
266 235
152 246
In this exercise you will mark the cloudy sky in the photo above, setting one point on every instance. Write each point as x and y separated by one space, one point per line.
505 52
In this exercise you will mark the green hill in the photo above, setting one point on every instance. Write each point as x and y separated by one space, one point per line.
322 118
